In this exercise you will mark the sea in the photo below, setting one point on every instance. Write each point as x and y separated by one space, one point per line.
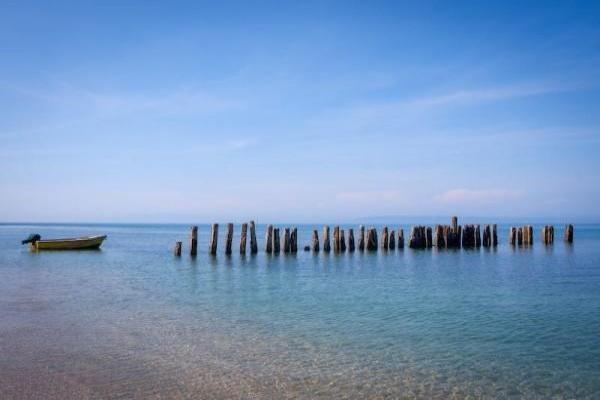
132 321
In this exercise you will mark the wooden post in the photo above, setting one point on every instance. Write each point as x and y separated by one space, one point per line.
315 241
494 235
286 240
350 240
454 224
336 239
276 246
548 234
428 237
477 236
371 242
418 238
269 240
194 241
243 238
512 236
487 236
468 236
385 240
400 238
520 236
342 241
294 240
361 238
438 237
229 239
253 243
177 249
392 240
568 235
214 237
326 242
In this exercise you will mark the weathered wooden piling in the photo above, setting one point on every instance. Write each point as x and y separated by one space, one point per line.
229 239
361 238
276 243
548 234
194 241
371 241
177 249
385 239
392 240
520 236
512 236
418 237
294 240
342 241
336 239
400 238
454 223
468 236
527 235
428 237
253 243
477 235
350 240
285 246
489 233
243 235
568 235
269 239
214 237
438 236
494 235
326 242
315 241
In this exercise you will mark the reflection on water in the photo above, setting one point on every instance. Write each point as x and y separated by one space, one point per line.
131 321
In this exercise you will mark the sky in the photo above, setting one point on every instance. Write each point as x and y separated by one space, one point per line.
298 111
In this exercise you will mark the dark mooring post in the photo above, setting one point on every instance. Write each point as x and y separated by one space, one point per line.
392 240
371 241
276 244
326 242
194 241
520 236
477 235
385 239
454 223
315 241
487 236
400 238
243 236
229 239
361 238
418 237
269 239
253 243
342 241
177 249
428 237
494 235
568 235
350 240
512 236
214 237
294 240
548 234
336 239
438 236
468 236
286 240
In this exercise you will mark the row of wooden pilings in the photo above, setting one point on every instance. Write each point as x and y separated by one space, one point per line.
421 237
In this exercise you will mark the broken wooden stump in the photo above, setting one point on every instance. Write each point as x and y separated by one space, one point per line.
428 237
520 236
229 239
336 239
548 234
468 236
438 236
177 249
276 243
243 235
568 235
487 236
326 242
418 237
253 243
294 240
315 241
371 241
269 239
512 236
400 238
361 238
477 236
285 246
350 240
392 240
214 237
385 239
194 241
342 241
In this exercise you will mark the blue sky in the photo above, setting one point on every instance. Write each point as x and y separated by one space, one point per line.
304 111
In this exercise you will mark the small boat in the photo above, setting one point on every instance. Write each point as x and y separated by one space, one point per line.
82 243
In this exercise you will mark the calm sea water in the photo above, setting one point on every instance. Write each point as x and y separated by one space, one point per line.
132 321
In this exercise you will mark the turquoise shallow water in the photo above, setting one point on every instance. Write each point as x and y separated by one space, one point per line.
132 321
